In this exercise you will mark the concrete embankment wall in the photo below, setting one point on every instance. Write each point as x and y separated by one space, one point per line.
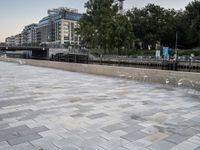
181 79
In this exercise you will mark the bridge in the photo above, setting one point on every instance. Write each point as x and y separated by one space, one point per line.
54 54
22 48
27 52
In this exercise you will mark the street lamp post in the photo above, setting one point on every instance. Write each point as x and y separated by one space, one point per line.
176 47
176 52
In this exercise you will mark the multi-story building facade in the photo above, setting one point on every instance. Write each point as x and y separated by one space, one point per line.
18 41
58 28
29 34
2 44
10 41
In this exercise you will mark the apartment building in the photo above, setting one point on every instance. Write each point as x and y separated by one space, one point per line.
57 28
18 41
29 34
10 41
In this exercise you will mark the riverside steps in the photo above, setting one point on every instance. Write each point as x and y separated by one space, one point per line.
179 79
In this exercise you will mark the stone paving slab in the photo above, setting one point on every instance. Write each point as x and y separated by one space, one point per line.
46 109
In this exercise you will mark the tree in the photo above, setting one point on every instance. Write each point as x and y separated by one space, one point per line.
104 28
87 31
193 18
96 24
123 34
154 23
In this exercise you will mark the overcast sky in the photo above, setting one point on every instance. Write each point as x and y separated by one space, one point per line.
15 14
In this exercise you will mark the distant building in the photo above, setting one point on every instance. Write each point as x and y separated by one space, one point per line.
2 44
10 41
18 40
29 34
56 29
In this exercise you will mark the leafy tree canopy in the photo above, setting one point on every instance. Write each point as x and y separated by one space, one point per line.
103 27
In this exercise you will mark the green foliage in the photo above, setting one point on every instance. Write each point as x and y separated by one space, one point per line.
103 28
188 52
154 23
192 15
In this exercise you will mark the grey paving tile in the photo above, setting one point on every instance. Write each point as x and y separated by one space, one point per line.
4 126
23 146
125 105
139 144
164 145
70 148
189 132
120 148
77 115
92 142
91 134
9 136
96 116
198 148
196 127
185 145
75 140
107 145
31 115
92 147
137 117
14 129
92 112
195 140
196 119
14 114
176 138
44 144
133 136
33 130
114 127
132 146
23 139
40 129
4 145
132 128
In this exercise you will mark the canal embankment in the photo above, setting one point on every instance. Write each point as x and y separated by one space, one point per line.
173 78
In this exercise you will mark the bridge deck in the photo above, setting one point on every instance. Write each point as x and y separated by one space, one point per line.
16 48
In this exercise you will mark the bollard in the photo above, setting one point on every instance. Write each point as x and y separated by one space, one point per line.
101 59
190 64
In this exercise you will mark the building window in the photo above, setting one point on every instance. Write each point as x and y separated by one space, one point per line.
66 38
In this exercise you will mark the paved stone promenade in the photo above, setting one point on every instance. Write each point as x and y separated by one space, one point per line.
46 109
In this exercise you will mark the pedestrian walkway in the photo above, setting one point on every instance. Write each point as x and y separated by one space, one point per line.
46 109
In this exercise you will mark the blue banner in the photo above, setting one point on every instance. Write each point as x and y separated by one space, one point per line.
166 52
